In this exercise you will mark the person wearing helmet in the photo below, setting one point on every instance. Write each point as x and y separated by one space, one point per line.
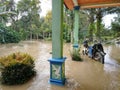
85 45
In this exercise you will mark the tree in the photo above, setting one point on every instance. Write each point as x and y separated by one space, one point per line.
7 35
90 15
100 12
95 19
29 11
115 26
46 25
5 13
69 21
67 24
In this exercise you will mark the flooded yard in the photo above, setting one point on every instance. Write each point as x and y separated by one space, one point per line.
86 75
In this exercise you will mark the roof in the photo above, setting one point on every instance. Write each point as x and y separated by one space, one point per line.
91 3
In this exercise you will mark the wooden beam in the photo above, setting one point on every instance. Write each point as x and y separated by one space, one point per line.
69 4
92 3
100 5
86 2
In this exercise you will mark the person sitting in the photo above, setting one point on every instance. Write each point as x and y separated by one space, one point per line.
85 44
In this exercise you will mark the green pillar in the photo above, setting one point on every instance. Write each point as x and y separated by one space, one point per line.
57 62
57 28
76 27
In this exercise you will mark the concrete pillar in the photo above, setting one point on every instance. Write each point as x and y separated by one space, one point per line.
76 27
57 62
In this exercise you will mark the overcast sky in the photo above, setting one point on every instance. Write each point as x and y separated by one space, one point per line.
108 18
46 5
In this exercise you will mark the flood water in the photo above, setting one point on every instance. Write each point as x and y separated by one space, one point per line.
86 75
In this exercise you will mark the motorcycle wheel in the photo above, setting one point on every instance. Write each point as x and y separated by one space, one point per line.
99 57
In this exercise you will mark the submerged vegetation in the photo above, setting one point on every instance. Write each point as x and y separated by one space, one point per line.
17 68
75 55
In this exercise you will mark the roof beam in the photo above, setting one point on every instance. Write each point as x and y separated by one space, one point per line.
70 4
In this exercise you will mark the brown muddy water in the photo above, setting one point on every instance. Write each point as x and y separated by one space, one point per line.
86 75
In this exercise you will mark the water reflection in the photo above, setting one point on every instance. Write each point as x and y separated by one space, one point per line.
86 75
110 63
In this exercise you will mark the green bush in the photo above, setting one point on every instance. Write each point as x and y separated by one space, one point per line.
12 37
76 55
8 35
17 68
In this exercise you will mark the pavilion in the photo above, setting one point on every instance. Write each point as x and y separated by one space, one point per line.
57 62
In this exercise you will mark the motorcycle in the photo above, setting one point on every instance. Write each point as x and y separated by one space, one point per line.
99 55
95 52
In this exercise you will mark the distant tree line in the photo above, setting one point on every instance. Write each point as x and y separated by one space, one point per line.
27 24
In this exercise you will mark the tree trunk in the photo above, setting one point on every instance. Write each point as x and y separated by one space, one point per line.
99 20
91 25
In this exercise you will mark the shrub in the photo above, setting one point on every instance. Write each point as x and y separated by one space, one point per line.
8 35
12 37
76 55
17 68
